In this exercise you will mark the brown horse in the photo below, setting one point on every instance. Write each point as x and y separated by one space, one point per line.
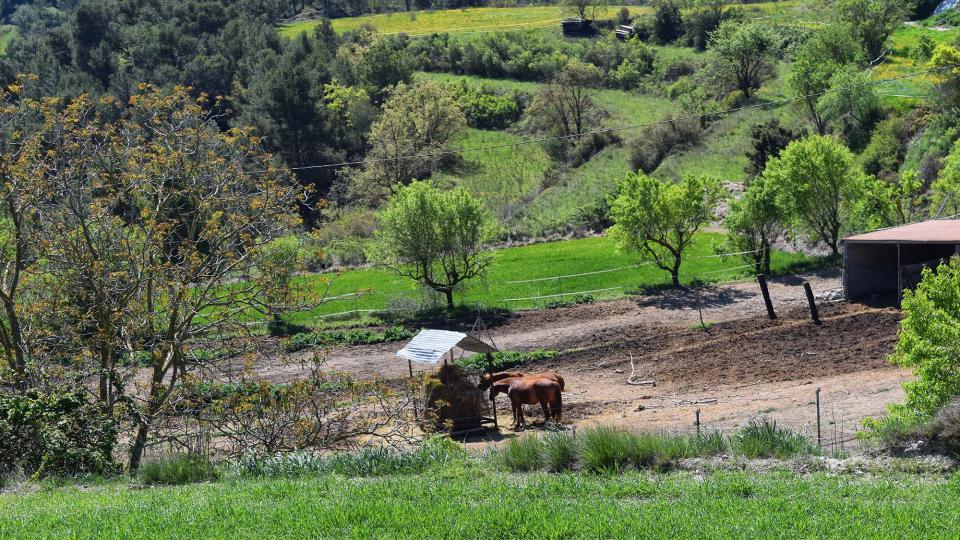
489 378
529 391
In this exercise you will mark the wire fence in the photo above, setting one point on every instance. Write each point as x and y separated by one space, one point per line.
532 292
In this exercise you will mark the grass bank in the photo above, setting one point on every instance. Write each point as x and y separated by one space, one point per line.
382 289
473 503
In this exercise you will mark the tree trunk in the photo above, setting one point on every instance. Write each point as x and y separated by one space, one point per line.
139 444
766 260
675 272
449 294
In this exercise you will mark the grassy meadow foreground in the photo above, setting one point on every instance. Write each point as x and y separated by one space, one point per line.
474 503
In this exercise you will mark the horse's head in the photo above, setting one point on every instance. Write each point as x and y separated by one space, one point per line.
485 381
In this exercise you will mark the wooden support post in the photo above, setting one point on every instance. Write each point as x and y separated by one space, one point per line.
410 367
697 413
493 397
814 313
762 280
819 437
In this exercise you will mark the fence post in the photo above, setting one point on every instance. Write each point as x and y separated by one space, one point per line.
762 280
814 314
699 305
697 421
819 438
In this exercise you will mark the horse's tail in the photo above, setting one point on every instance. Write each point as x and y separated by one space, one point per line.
560 380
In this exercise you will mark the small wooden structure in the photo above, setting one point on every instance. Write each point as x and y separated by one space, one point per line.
452 396
625 32
577 27
884 262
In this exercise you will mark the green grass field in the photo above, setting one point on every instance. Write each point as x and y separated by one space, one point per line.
476 503
543 260
471 20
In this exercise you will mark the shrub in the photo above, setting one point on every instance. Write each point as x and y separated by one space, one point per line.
53 433
576 300
357 336
178 470
945 427
503 360
521 454
487 109
278 327
657 142
432 453
762 438
928 335
560 451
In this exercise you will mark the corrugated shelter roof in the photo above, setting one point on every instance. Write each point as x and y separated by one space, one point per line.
935 231
430 345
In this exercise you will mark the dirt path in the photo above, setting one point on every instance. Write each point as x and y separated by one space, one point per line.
568 328
743 365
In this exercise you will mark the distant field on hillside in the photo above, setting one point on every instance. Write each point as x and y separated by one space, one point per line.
457 21
721 153
544 260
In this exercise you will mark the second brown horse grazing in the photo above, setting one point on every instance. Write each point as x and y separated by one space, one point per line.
489 378
529 391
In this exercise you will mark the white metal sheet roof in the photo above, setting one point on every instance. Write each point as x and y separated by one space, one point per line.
430 345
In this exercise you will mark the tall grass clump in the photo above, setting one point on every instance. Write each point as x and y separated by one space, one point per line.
763 438
606 449
178 470
521 454
560 451
432 453
711 443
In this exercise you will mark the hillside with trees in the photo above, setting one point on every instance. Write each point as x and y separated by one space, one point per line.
201 199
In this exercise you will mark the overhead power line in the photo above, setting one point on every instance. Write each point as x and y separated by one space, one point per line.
528 142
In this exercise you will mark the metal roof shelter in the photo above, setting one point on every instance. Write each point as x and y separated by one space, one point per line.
429 346
880 264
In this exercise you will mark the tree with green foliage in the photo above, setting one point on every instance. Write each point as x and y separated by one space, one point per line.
821 55
945 190
703 19
929 338
565 106
438 238
899 201
754 222
820 187
667 22
417 122
852 102
658 220
384 64
742 54
872 22
887 148
584 9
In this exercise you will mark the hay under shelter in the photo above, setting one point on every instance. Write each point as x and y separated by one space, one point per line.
451 402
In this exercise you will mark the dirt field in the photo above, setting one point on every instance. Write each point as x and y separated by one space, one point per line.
741 366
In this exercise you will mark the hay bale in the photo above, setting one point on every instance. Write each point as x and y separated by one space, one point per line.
454 402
